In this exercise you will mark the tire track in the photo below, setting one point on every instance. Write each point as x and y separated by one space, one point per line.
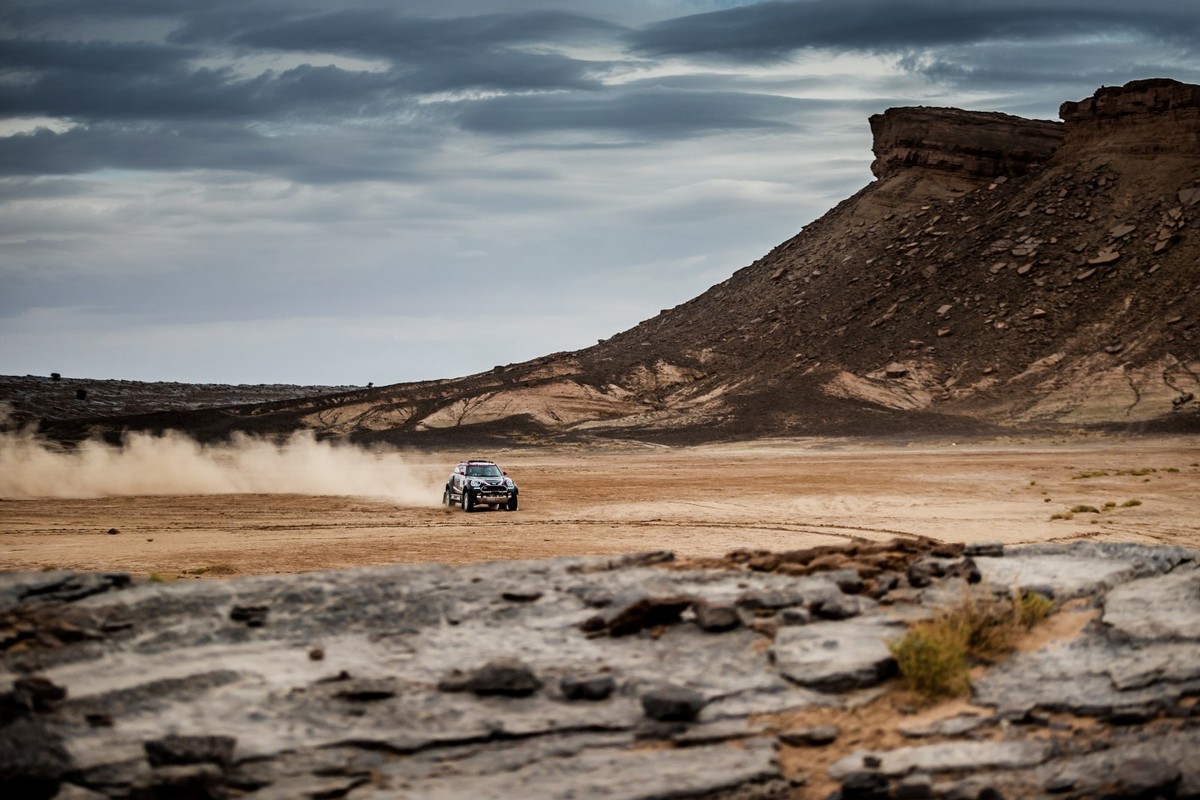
819 529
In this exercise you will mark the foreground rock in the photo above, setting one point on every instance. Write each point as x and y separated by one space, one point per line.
428 682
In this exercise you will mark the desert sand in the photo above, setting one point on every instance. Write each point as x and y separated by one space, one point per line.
695 501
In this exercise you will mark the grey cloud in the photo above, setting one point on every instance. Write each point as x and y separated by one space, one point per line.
428 54
999 67
108 58
175 91
507 70
320 156
18 189
773 30
199 94
643 114
382 32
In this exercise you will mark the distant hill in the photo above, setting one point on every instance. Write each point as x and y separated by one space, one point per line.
1000 273
58 397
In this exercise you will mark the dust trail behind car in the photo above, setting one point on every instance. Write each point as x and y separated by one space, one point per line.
174 464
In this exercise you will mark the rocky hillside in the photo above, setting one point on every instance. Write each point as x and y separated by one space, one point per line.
759 676
999 273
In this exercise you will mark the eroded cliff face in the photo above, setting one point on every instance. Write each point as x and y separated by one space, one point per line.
1156 117
961 148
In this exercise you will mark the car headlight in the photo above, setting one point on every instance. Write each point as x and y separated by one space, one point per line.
475 484
508 483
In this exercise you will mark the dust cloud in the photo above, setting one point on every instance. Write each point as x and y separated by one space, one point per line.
174 464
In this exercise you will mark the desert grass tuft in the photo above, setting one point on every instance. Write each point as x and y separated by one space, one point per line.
934 656
1104 473
1131 503
1032 608
1082 509
933 660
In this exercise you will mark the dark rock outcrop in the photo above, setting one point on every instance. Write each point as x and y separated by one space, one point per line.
966 148
1159 116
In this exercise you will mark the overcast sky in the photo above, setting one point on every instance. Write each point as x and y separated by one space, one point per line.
299 191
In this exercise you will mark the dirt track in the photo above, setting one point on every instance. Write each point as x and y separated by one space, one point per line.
697 502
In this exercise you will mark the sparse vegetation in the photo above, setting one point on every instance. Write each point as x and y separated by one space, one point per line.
1131 503
154 577
1033 607
1084 509
933 656
212 570
933 660
1110 504
1104 473
1062 515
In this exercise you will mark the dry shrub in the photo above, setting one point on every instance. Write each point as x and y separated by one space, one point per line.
1032 608
933 660
1082 509
1131 503
934 655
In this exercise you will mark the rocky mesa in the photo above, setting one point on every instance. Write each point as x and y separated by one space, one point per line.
999 274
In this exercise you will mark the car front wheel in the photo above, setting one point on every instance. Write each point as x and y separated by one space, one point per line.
512 505
468 502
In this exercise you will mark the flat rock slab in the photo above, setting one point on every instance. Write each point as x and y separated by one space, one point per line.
593 774
837 656
944 757
1166 607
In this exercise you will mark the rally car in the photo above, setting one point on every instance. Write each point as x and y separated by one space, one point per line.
478 482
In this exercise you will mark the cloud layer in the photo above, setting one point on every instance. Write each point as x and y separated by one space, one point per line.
285 190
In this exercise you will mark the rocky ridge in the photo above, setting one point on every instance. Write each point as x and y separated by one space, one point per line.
999 274
33 397
761 675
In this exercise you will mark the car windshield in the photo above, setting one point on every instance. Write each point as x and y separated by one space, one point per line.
483 471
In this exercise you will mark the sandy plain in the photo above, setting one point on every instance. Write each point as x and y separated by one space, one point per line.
696 501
